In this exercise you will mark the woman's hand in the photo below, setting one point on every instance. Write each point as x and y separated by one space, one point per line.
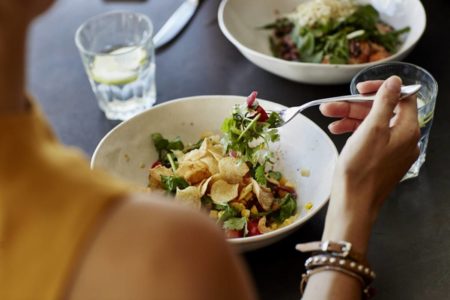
352 114
374 159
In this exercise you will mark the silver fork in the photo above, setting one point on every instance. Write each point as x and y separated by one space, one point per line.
289 113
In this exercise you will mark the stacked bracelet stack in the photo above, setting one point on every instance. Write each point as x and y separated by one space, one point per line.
338 257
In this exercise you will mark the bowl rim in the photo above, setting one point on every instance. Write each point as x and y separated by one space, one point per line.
244 240
239 45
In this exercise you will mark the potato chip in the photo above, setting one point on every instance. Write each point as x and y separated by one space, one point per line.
189 197
217 151
155 175
263 194
262 225
193 171
193 155
222 192
212 164
232 169
245 192
203 186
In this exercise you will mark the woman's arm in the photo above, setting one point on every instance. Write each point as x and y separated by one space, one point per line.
372 162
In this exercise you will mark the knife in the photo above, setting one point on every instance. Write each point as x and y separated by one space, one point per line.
175 23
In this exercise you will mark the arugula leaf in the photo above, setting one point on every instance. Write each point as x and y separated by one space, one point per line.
274 120
260 175
176 144
159 142
287 209
165 147
235 223
329 40
171 183
249 138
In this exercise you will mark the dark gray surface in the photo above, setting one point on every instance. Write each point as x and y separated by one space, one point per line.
410 245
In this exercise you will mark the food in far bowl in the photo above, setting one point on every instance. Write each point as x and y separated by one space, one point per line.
333 32
232 178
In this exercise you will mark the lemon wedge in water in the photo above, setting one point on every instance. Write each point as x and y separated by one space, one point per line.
423 119
118 67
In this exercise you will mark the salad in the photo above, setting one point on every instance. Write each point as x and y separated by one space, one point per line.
231 177
333 32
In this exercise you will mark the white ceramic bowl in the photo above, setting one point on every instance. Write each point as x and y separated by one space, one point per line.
239 21
124 150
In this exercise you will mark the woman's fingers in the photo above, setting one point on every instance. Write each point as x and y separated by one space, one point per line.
385 102
346 110
406 111
367 87
345 125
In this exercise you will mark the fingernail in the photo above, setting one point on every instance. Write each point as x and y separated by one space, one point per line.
393 84
330 126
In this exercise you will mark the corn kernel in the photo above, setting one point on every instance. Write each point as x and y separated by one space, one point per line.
305 172
254 210
214 214
308 205
237 206
245 213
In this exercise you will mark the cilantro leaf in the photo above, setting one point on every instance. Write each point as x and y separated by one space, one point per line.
165 147
228 213
287 209
235 223
171 183
260 176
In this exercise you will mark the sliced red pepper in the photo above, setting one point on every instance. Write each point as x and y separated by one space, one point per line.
252 227
251 99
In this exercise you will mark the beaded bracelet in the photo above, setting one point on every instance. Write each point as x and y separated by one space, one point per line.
361 270
337 257
367 290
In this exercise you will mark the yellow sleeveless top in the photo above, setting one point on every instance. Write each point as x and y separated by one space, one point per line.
49 203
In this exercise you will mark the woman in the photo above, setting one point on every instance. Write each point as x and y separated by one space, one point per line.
67 232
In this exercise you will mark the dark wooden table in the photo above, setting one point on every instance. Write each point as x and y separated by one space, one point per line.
410 244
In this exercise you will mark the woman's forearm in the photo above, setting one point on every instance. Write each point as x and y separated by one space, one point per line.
348 219
12 68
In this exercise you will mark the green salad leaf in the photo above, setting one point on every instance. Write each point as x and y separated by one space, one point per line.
171 183
249 138
287 209
228 213
329 40
260 176
235 223
165 148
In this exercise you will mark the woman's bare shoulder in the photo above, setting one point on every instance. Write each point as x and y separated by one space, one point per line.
153 247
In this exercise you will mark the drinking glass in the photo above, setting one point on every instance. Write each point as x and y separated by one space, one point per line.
118 54
426 98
